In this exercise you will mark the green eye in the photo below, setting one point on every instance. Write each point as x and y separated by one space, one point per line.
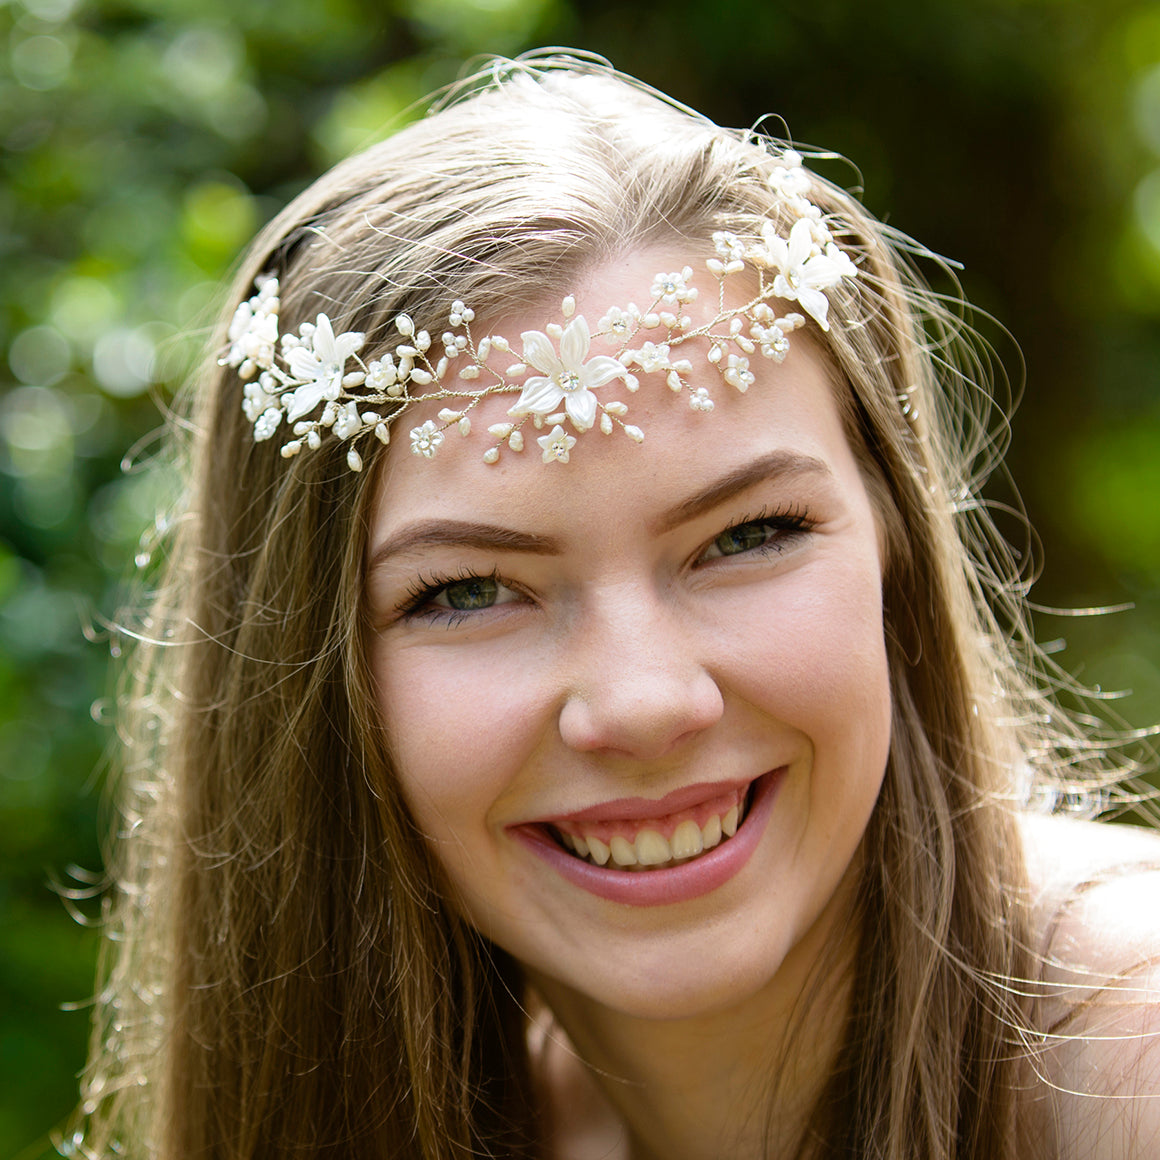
742 538
471 595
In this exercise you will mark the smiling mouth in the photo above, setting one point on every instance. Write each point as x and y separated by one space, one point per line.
656 844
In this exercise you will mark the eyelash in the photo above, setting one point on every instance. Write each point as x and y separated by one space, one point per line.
423 591
788 525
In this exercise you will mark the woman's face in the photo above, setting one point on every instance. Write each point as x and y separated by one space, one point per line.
644 650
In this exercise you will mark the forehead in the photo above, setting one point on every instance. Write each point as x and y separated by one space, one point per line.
789 407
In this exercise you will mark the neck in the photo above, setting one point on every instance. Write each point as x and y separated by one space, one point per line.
740 1081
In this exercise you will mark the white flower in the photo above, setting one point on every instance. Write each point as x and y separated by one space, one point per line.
650 358
728 246
382 374
774 343
620 323
789 178
673 288
425 440
737 373
253 332
567 378
319 370
556 445
256 400
731 254
267 424
347 421
804 273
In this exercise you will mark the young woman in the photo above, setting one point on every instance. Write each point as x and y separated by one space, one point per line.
586 714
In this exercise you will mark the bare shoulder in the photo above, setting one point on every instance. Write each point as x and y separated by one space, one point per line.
1095 897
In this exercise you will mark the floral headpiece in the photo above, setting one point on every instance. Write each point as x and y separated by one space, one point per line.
314 381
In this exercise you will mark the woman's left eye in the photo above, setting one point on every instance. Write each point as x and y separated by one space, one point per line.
771 534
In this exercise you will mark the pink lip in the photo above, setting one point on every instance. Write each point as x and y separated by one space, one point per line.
658 887
636 809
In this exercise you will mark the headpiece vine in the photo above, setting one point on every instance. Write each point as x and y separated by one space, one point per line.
314 382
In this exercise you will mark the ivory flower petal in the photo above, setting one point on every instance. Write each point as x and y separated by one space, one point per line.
569 377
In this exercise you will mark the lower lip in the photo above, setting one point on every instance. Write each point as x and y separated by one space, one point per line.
662 887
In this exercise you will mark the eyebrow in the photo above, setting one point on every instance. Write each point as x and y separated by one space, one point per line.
777 464
441 533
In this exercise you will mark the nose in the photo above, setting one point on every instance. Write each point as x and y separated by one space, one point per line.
637 685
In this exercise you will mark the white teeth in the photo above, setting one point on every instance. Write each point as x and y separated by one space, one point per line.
652 849
686 841
623 851
729 822
597 851
711 834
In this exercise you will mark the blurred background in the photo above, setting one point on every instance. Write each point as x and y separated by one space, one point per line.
143 141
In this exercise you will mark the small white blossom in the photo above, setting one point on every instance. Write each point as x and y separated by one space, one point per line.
672 288
774 344
347 422
728 246
257 400
253 331
789 178
737 373
619 323
426 440
267 424
381 373
650 358
556 445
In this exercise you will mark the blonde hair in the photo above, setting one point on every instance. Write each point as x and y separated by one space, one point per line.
287 975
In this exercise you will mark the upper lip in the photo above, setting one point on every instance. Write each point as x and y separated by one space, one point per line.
638 809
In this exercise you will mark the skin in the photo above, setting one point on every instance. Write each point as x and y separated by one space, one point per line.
643 652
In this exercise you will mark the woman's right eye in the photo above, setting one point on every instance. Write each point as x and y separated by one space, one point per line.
449 601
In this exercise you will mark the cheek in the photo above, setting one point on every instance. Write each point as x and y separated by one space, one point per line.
817 646
457 722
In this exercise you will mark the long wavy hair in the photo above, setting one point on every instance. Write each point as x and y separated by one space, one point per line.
286 976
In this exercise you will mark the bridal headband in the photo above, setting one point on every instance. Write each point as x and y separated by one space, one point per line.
313 385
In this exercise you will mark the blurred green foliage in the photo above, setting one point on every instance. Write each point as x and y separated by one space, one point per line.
142 142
